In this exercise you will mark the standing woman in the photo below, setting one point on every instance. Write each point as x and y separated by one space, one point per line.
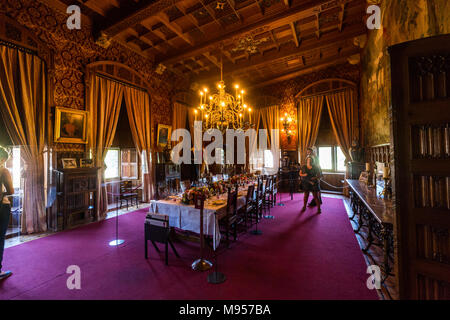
310 174
6 188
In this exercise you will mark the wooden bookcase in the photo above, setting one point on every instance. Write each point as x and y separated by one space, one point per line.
76 191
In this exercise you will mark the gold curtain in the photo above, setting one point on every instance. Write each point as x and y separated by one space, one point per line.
309 113
139 115
179 117
270 117
191 120
103 102
23 104
342 107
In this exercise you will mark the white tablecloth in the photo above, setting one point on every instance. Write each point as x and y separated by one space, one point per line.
186 217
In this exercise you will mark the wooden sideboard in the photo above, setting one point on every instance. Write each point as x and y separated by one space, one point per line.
375 213
76 190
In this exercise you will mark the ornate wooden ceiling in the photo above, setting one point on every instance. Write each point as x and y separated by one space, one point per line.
260 41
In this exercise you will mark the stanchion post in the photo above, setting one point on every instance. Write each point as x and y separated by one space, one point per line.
117 241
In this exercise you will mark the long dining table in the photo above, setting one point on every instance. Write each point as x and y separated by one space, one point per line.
186 217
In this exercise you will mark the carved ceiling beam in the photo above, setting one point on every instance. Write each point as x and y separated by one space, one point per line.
274 39
211 58
227 55
294 33
155 31
260 7
335 38
189 67
211 13
284 18
190 17
87 11
175 28
341 16
145 39
317 25
201 64
300 71
123 18
232 4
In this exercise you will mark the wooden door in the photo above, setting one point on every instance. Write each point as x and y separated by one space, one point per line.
421 148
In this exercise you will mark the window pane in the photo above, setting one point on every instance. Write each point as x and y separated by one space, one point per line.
124 156
13 165
220 153
325 158
268 159
112 164
340 158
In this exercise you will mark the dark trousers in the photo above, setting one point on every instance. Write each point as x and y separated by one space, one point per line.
5 212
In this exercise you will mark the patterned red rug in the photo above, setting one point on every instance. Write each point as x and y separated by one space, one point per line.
298 256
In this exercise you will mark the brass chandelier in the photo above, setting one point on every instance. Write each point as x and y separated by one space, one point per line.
222 110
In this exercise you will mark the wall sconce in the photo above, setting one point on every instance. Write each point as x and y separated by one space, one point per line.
286 122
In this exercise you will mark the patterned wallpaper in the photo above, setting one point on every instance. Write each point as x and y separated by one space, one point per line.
285 91
74 49
402 20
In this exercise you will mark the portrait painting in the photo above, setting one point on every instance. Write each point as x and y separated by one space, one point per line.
163 136
69 163
70 125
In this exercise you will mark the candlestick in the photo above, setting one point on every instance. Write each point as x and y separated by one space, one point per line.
386 172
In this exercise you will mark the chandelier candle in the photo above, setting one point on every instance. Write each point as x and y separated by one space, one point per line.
223 110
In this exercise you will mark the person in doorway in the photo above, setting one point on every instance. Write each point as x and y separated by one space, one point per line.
6 188
310 181
310 152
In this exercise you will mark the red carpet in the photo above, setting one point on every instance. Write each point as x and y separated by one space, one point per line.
299 256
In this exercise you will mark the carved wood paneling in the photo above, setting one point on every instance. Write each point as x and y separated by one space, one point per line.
380 153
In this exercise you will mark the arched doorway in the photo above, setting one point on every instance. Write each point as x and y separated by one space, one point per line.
328 118
27 88
115 91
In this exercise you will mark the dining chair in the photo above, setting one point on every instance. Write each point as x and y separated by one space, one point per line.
127 193
259 204
268 196
231 218
247 210
260 197
156 229
274 189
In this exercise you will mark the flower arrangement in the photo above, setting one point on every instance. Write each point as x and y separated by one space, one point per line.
218 187
235 179
189 194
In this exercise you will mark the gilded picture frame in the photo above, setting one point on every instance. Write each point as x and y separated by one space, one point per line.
164 134
70 125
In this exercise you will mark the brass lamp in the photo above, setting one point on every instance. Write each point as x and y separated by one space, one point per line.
286 122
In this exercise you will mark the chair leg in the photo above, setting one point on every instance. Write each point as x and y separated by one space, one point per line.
167 253
235 231
146 248
173 248
156 247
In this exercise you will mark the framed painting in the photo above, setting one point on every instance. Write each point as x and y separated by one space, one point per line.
70 125
164 133
69 163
